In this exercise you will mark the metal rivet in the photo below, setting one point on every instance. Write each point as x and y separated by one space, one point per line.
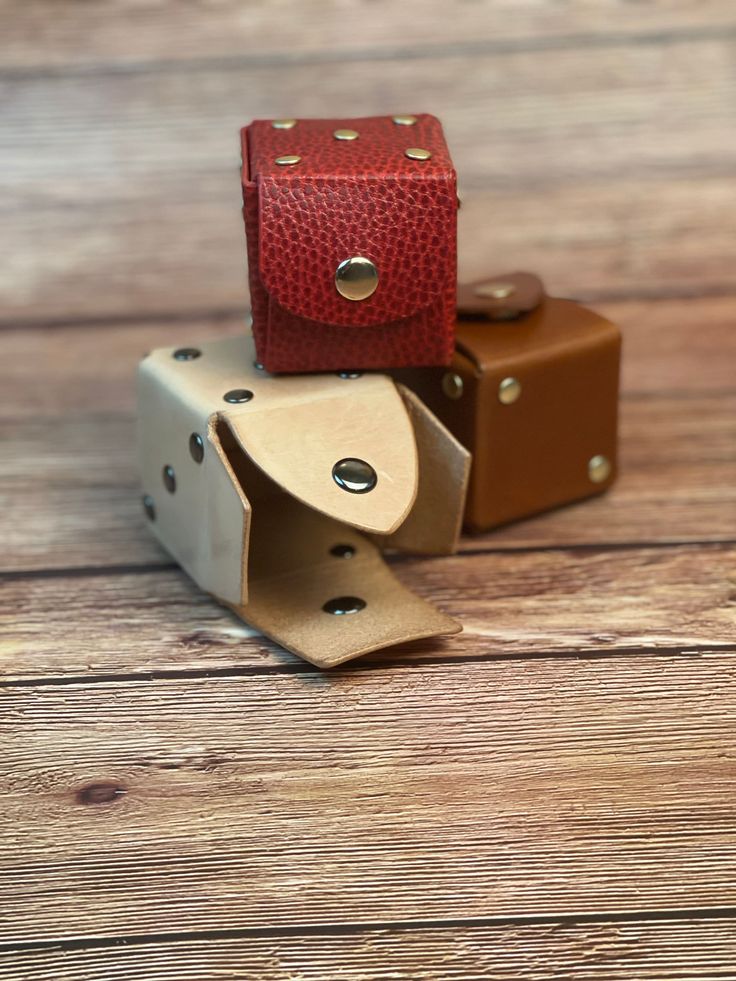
355 476
452 385
341 606
343 551
238 395
356 278
186 353
283 123
346 134
404 120
417 153
349 374
495 291
196 447
169 478
509 390
599 468
287 159
149 507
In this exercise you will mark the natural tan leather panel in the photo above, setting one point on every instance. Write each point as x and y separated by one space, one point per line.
297 427
434 523
204 523
294 573
255 521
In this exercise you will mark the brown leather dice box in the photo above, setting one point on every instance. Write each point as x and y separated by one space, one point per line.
277 494
532 392
351 232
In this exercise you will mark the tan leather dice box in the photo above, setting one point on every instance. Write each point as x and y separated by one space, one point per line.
532 392
277 494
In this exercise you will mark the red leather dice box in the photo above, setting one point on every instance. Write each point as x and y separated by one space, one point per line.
351 231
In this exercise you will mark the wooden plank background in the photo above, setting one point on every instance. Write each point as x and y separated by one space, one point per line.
551 794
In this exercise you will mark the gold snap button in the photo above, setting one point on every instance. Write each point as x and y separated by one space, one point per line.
346 134
417 153
356 278
288 159
599 468
495 291
283 123
404 120
509 390
452 385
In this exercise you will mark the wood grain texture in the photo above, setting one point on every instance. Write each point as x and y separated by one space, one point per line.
548 786
37 39
133 621
690 950
80 506
671 346
603 168
181 798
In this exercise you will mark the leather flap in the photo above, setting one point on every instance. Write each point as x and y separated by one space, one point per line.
296 428
503 297
434 523
300 561
361 197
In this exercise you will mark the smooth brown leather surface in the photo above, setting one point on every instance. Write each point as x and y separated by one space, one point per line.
533 454
476 300
254 523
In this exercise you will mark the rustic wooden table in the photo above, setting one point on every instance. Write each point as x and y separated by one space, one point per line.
549 795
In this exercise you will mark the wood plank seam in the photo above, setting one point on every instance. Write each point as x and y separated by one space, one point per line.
82 572
370 663
214 314
88 571
678 914
590 548
403 53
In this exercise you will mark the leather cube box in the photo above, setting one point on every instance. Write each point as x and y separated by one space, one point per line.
278 494
351 234
532 392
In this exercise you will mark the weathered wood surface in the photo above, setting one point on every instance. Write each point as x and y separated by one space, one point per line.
674 347
548 786
598 600
80 505
578 160
686 949
181 798
327 30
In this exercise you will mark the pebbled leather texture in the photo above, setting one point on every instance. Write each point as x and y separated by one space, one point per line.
347 198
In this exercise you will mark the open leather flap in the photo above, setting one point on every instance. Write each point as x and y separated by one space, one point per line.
434 523
297 428
299 561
